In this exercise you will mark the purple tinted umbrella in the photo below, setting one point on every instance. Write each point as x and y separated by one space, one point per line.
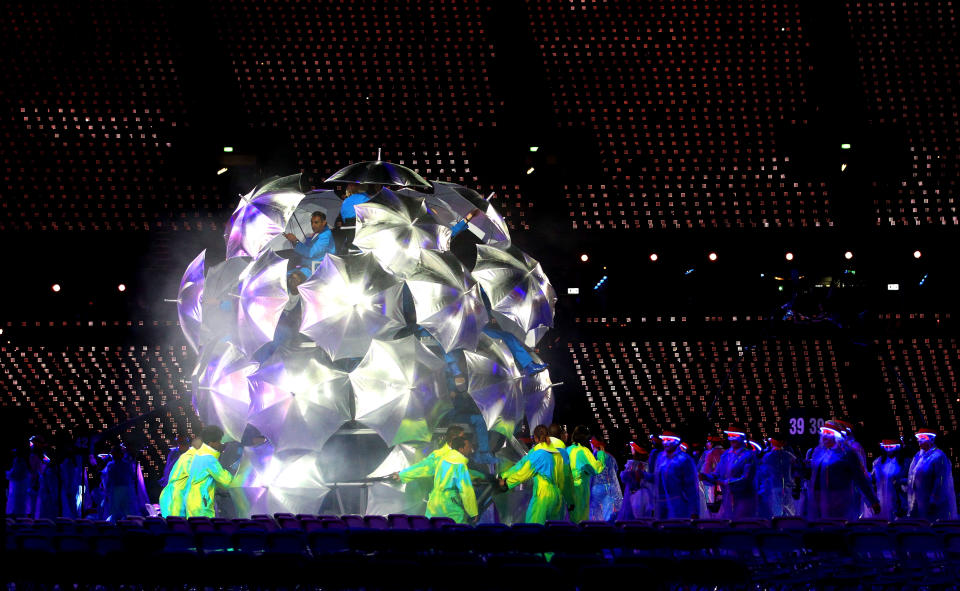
459 201
262 215
538 398
400 389
493 382
221 295
263 295
189 298
521 297
221 389
447 300
298 401
396 229
384 498
379 172
348 302
286 482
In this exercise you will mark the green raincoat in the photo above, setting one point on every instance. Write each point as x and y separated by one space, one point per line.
552 482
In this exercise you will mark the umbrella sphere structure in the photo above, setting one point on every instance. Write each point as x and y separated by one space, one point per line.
338 359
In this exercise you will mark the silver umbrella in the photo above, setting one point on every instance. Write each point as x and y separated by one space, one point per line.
521 297
189 298
221 389
299 223
290 482
386 497
297 400
379 172
263 295
447 300
262 215
396 229
221 295
400 390
459 201
538 397
493 382
348 302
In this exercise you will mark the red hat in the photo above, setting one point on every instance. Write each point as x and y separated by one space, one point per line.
634 448
735 429
833 427
670 435
715 439
597 444
755 445
925 433
684 446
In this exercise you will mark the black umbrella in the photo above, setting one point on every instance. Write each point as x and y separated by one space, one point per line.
379 172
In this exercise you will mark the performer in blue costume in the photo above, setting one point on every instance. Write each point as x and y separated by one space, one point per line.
775 480
637 491
356 193
736 475
317 246
120 486
606 498
889 476
930 493
675 481
835 477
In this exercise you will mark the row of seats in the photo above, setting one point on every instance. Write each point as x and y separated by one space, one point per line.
789 552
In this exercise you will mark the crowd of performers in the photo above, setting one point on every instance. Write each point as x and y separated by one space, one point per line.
737 478
568 476
65 478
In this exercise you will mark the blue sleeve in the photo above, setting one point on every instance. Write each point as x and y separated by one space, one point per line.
458 227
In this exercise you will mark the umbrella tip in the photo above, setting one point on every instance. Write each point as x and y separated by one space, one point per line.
491 195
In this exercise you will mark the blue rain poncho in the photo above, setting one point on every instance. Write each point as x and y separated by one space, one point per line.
736 473
775 484
837 482
930 493
120 488
637 492
889 476
606 498
675 486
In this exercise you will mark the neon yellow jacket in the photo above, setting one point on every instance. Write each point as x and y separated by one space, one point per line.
583 466
426 467
174 494
552 482
452 495
205 473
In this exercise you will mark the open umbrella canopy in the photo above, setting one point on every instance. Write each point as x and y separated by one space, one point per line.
538 398
451 202
290 482
396 229
222 392
297 400
221 296
494 383
522 300
384 498
262 215
348 302
447 300
189 302
379 172
263 295
400 390
299 224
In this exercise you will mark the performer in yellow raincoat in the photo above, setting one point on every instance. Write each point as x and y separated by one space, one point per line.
453 495
205 473
552 480
174 494
583 466
426 467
